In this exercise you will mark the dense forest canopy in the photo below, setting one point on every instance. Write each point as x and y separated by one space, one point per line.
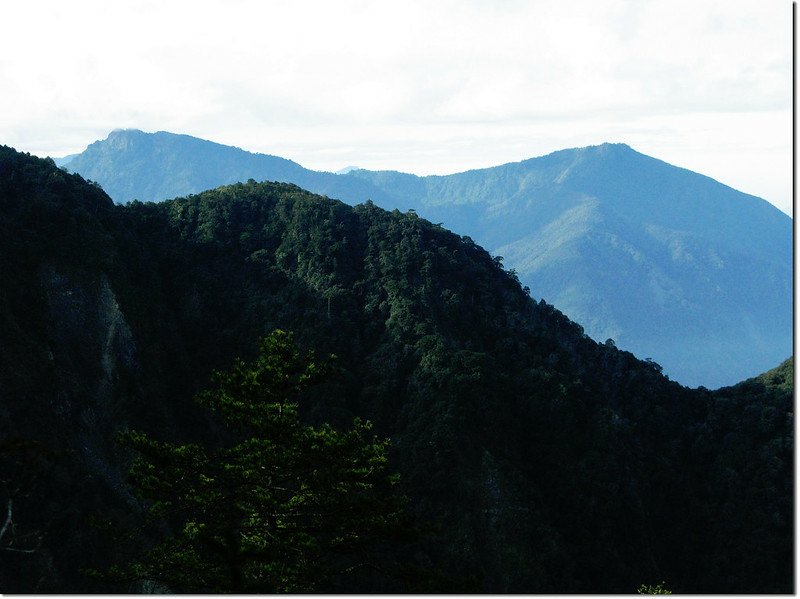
535 459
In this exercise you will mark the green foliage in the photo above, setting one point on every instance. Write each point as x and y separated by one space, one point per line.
282 509
658 589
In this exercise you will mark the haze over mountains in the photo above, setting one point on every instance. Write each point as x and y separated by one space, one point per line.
670 264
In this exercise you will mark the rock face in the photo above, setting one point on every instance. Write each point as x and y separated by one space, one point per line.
670 264
93 355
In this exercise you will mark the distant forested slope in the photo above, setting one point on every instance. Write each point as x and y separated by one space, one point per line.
670 264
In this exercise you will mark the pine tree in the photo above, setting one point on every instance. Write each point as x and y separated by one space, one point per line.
283 509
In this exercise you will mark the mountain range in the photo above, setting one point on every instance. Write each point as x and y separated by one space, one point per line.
666 263
534 459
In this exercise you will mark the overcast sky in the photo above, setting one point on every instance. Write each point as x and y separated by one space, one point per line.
418 86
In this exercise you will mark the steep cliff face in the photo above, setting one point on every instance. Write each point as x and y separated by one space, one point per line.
67 362
85 354
92 352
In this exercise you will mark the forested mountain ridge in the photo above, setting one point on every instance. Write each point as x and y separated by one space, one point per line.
541 460
670 264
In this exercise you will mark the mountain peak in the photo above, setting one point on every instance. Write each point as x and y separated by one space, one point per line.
605 149
117 130
124 132
615 145
347 169
119 139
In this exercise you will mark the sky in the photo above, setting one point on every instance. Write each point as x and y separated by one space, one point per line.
417 86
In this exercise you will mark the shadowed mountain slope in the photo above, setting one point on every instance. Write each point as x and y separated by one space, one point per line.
538 460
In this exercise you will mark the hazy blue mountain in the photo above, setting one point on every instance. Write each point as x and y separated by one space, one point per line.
668 263
347 169
131 164
64 159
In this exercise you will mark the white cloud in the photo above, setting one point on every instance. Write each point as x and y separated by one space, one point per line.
419 86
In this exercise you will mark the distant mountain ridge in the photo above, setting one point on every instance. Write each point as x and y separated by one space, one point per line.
131 164
668 263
